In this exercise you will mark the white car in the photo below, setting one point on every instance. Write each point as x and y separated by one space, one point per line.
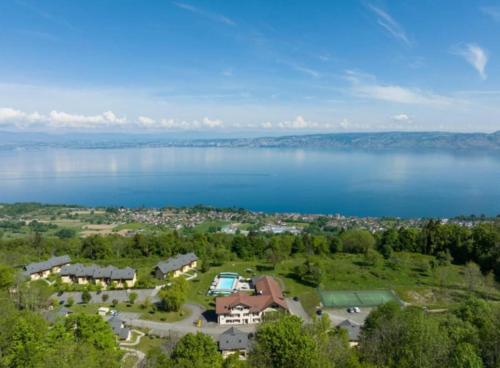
357 310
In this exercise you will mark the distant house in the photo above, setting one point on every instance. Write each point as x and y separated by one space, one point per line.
353 330
234 341
176 266
240 308
118 326
41 270
103 276
55 315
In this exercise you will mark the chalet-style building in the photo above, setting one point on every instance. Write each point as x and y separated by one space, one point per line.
234 341
176 266
240 308
118 327
103 276
353 330
41 270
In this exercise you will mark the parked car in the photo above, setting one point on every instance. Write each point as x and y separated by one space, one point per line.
350 310
296 298
357 310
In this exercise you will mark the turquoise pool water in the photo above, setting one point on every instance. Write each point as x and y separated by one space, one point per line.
226 283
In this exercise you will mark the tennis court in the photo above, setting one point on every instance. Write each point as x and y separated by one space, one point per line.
359 298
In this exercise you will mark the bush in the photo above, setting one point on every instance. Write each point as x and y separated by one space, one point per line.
70 301
86 296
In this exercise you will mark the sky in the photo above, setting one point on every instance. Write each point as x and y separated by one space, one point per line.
244 68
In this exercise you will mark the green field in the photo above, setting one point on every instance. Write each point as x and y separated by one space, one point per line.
408 275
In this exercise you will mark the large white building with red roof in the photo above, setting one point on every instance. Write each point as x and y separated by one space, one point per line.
241 308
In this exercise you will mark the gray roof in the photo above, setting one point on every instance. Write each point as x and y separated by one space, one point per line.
47 265
177 262
233 339
118 327
97 272
122 274
53 316
353 329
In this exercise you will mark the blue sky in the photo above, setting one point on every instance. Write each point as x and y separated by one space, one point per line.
249 67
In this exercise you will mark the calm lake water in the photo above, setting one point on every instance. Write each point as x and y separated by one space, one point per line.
309 181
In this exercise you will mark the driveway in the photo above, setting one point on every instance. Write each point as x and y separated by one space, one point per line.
298 310
339 315
188 325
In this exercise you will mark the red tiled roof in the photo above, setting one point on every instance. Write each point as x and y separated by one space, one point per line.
269 293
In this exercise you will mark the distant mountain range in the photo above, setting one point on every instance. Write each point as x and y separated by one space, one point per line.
362 141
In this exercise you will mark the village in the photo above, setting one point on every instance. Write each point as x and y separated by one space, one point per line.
240 302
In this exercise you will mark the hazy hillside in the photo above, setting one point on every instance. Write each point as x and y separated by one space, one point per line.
364 141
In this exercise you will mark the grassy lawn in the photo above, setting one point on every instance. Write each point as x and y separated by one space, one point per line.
129 361
158 316
130 226
408 274
149 342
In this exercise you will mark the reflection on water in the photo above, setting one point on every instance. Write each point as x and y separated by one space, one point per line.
352 183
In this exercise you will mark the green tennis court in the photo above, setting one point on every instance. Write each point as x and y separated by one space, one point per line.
360 298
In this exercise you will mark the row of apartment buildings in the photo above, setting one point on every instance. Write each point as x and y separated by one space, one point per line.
81 274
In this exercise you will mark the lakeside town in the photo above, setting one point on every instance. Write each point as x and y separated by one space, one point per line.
121 221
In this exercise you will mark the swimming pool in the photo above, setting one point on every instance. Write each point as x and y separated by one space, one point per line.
226 283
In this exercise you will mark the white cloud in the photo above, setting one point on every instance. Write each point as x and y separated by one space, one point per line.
299 123
492 11
216 123
146 121
63 119
311 72
10 115
390 25
206 14
475 56
366 86
401 118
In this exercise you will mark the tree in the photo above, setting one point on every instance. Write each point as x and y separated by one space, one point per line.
473 276
65 233
7 277
146 304
114 302
310 272
104 298
357 241
282 343
70 301
86 296
173 296
404 338
465 356
132 297
85 328
198 351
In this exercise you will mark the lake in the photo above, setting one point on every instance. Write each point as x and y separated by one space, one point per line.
286 180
